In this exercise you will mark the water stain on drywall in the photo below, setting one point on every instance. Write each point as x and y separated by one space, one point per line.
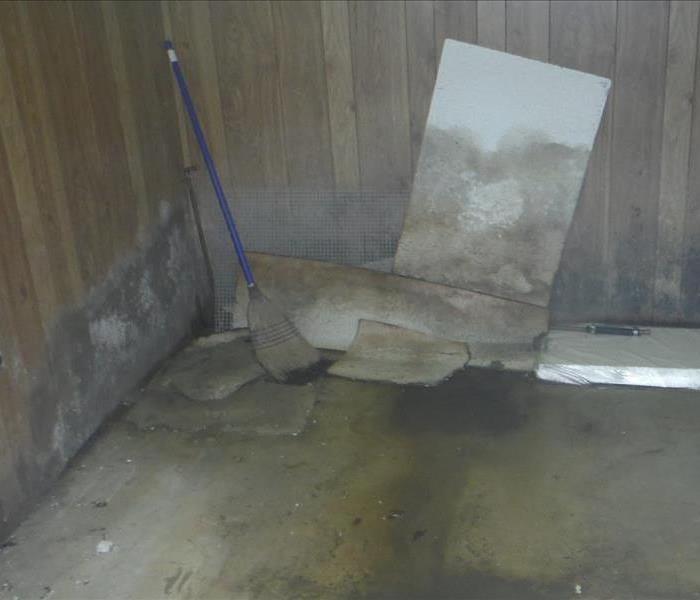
493 222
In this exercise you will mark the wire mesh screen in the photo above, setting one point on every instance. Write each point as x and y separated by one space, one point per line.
351 228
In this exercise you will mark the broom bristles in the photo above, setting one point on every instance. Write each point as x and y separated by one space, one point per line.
278 345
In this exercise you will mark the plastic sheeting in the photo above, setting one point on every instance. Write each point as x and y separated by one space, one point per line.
668 357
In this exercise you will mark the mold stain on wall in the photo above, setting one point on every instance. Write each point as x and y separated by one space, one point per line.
493 222
98 351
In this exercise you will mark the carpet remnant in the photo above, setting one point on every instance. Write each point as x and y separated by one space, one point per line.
382 352
327 301
210 368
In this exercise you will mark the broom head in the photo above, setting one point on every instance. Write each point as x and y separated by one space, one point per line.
278 346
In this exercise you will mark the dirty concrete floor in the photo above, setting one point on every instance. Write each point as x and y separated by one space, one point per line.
490 486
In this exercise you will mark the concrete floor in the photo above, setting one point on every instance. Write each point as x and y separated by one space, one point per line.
489 486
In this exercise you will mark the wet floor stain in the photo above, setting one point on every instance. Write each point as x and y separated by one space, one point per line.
392 514
473 401
490 486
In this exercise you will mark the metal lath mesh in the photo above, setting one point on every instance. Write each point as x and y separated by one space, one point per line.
351 228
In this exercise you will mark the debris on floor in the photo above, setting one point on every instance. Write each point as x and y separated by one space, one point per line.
502 162
104 547
211 368
382 352
394 514
667 357
260 408
327 301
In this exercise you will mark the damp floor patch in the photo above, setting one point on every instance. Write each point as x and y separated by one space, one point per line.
489 486
501 167
210 368
668 358
327 301
260 408
382 352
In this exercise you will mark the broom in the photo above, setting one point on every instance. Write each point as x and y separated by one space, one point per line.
278 346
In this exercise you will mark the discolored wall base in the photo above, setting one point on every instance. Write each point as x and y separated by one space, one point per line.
97 352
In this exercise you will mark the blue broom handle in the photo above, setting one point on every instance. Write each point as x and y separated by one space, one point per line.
211 167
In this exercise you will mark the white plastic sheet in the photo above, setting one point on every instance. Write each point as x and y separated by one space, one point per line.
668 357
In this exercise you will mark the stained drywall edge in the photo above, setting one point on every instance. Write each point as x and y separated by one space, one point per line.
145 307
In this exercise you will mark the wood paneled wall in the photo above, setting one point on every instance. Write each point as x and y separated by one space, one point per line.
334 94
89 149
87 144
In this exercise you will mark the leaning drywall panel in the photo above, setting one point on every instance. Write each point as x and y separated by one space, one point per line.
503 158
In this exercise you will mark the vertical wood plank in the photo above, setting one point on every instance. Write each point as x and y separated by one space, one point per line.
139 203
113 178
378 35
11 434
491 24
15 433
299 37
19 293
675 148
64 82
24 222
690 243
456 20
422 69
14 376
44 162
20 171
103 221
45 195
636 149
527 28
192 33
583 37
152 102
165 7
341 93
244 43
